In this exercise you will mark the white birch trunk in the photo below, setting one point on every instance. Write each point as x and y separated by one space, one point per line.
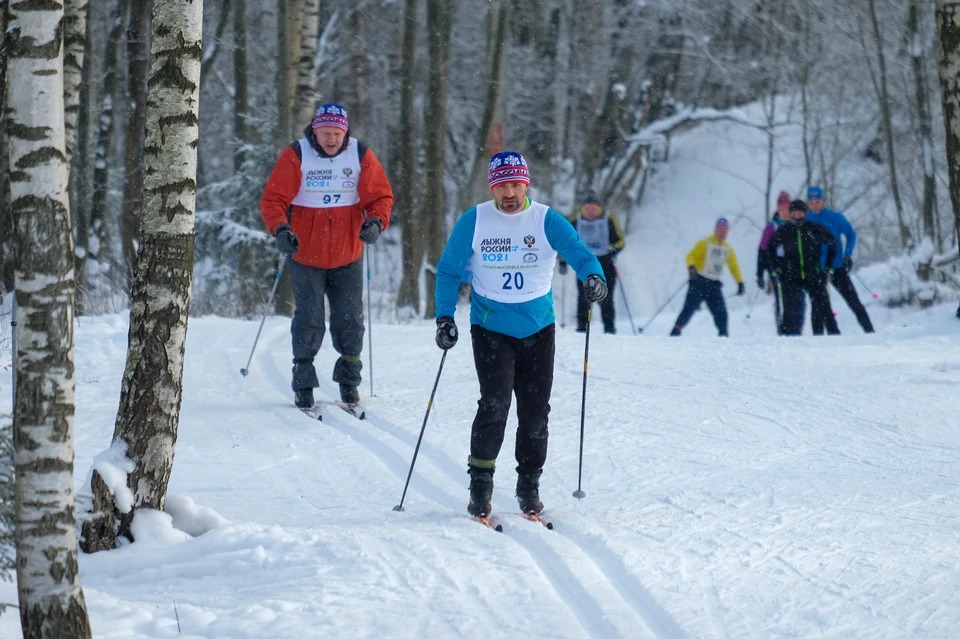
51 599
152 387
74 43
306 73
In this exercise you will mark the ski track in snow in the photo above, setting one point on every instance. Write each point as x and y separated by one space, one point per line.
567 586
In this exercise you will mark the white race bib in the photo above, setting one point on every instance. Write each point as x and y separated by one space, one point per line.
717 256
328 182
595 234
512 261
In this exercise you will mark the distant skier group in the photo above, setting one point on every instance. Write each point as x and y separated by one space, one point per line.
803 248
328 196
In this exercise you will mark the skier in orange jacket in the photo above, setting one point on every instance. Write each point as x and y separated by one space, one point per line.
326 197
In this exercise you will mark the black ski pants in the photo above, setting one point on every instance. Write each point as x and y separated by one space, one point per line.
841 281
606 306
343 287
821 314
700 290
507 366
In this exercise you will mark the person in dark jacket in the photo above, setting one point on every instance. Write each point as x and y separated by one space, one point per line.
794 252
601 233
780 217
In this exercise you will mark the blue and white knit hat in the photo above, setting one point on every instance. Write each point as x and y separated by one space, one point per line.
331 115
508 166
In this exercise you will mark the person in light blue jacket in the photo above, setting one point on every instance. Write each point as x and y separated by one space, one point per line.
839 227
510 245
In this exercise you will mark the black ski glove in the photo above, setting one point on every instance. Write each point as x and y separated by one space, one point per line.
370 230
447 333
563 268
848 263
287 242
741 288
594 289
693 272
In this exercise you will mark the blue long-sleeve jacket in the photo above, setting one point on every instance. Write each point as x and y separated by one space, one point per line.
838 225
517 320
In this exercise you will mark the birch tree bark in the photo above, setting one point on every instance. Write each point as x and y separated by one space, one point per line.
6 264
948 32
408 295
306 92
153 378
74 46
51 599
439 28
288 53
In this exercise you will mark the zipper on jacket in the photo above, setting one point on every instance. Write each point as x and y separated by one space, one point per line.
800 250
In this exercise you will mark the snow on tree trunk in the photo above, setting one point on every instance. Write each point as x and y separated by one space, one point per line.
948 31
50 596
74 44
306 75
153 379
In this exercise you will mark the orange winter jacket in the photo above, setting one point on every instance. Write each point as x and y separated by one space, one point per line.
329 237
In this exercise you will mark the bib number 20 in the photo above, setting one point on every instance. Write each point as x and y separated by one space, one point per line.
512 281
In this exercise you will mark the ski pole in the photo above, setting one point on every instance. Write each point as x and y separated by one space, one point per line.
753 303
563 302
426 416
366 250
667 303
266 309
864 284
579 494
623 293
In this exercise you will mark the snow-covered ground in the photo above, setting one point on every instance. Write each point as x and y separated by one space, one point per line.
750 487
754 486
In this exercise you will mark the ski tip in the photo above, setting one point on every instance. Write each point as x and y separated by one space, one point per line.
549 525
498 528
362 415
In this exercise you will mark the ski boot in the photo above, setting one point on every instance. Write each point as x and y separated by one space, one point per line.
481 491
303 398
528 492
349 395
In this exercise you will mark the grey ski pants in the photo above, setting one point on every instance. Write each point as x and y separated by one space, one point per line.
343 287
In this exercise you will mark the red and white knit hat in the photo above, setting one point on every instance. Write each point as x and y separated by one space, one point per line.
331 115
508 166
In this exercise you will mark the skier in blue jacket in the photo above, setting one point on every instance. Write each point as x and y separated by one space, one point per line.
510 246
839 226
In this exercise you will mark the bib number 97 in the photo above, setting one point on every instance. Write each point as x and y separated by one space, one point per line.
512 281
327 199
